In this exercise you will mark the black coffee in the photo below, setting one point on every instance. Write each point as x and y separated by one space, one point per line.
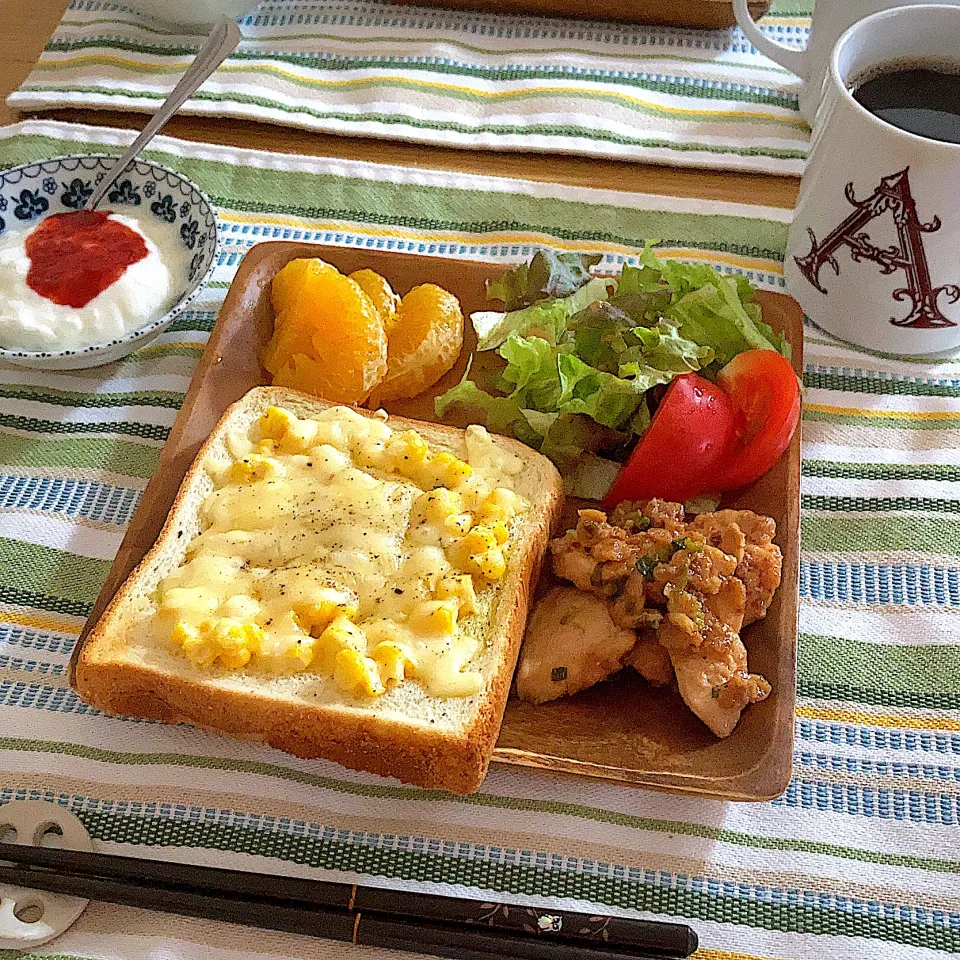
917 99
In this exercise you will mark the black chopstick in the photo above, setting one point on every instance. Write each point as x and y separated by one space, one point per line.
376 930
331 910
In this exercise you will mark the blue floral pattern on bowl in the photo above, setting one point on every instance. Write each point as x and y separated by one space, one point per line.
30 204
26 192
124 193
188 234
76 193
164 209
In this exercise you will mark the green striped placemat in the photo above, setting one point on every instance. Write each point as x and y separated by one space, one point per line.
858 859
370 68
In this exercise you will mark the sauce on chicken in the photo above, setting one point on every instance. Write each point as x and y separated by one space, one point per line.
681 589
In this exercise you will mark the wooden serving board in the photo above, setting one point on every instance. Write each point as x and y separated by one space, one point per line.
623 730
700 14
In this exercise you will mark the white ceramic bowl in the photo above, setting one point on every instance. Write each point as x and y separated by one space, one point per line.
193 13
36 190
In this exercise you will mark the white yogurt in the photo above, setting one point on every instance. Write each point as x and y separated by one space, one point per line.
145 291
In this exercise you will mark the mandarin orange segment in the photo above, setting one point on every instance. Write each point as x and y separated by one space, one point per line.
288 339
328 338
293 279
424 342
381 293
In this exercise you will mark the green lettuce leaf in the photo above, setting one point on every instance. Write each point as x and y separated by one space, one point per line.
511 287
599 334
547 319
528 359
714 314
540 423
532 370
646 278
711 308
665 348
500 414
590 476
608 399
549 274
606 338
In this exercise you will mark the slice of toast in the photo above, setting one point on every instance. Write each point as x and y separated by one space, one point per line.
406 733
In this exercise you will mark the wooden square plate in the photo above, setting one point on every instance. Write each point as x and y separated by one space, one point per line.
623 730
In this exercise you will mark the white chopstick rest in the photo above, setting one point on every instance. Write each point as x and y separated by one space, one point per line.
44 915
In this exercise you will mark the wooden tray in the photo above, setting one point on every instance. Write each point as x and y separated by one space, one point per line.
623 730
701 14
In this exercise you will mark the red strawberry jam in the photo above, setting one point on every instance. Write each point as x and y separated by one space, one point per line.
76 256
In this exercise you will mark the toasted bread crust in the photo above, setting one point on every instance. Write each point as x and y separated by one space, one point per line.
409 750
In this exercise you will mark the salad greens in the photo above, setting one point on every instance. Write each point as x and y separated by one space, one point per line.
548 275
581 353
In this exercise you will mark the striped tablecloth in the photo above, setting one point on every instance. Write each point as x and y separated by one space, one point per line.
371 68
859 859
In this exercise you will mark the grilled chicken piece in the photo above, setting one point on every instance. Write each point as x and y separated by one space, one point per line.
710 660
749 537
598 536
703 570
628 608
756 527
650 660
600 557
721 532
725 608
760 570
665 514
571 643
572 562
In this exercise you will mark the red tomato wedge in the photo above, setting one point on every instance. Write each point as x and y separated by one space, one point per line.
681 452
765 395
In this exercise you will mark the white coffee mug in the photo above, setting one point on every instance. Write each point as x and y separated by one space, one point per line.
873 254
830 19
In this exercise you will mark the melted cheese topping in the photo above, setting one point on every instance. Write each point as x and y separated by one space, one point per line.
338 546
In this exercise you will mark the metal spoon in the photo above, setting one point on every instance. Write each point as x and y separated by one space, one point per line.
216 48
